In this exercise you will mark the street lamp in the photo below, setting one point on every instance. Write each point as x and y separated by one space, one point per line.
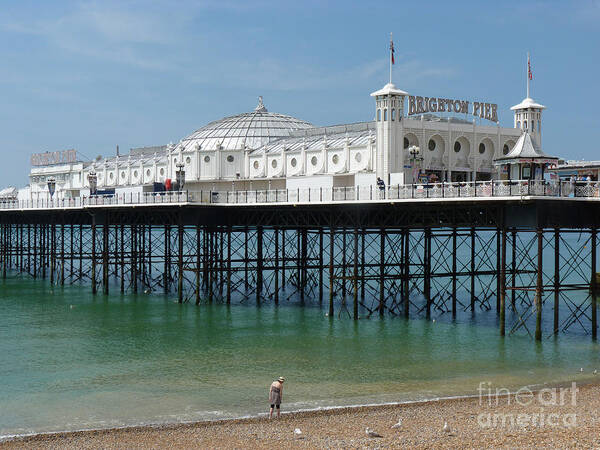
180 175
93 181
51 186
415 158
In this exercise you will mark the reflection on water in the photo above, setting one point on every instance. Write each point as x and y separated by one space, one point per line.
69 360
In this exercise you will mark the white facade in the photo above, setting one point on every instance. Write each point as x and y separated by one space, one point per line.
262 150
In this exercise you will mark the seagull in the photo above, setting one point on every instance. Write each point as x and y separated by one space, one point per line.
446 428
372 433
581 370
298 433
595 371
71 306
397 425
146 291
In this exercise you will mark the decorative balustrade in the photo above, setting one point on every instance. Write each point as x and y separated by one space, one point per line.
478 189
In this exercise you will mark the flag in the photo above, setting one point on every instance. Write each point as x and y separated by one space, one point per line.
529 73
392 50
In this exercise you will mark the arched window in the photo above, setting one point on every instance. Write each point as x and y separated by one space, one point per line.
385 115
525 124
532 125
539 127
406 143
378 115
393 114
518 124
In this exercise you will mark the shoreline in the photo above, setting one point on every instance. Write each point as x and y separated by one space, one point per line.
136 435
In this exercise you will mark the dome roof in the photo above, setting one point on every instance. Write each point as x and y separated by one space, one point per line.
253 129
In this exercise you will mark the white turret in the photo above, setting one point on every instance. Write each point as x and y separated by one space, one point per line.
389 110
528 113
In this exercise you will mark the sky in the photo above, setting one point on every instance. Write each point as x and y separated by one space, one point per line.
91 75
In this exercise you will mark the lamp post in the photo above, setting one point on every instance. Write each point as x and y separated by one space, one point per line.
180 175
415 160
93 181
51 186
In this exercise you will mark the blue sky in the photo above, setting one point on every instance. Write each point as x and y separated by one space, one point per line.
93 74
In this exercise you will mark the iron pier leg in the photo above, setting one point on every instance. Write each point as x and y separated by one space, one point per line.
556 279
134 257
593 286
122 258
381 270
167 236
513 281
472 269
498 269
427 271
259 263
331 256
355 304
276 275
503 284
454 274
198 244
229 266
321 268
406 277
105 251
180 263
62 253
94 287
539 287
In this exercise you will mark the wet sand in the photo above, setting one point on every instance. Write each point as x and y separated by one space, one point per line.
554 421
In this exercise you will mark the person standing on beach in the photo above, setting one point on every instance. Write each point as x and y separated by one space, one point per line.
276 396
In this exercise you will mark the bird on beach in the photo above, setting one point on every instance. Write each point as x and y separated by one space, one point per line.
446 428
298 433
397 425
595 371
371 433
581 370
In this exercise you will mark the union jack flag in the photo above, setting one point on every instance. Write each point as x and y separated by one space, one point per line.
392 50
529 72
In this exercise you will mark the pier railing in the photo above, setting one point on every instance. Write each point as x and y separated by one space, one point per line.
477 189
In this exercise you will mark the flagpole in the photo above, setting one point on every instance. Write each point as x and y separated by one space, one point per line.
391 52
528 65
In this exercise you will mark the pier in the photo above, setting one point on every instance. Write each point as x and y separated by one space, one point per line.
524 251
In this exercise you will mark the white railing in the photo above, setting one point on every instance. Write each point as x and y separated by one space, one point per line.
481 189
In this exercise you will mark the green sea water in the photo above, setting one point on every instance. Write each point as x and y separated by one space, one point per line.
70 360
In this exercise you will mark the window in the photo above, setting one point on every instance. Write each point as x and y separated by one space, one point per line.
175 160
431 145
532 125
148 172
123 174
335 159
293 162
256 165
314 160
111 175
406 143
393 114
539 127
162 171
505 149
525 124
457 147
207 159
518 124
358 156
274 164
230 158
188 160
135 173
481 148
385 115
378 115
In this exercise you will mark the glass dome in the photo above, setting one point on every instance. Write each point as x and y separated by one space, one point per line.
253 130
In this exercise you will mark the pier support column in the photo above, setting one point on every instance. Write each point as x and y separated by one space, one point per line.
180 262
276 268
355 275
539 286
198 262
321 268
259 263
133 261
503 283
594 287
427 271
454 270
331 259
406 275
94 287
381 270
229 231
105 251
122 258
556 279
62 253
472 269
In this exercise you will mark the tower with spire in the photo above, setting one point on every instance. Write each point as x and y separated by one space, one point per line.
389 110
528 113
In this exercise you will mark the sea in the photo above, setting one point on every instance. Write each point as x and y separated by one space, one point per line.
70 360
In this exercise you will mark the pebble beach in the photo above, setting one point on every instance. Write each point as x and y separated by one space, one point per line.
543 420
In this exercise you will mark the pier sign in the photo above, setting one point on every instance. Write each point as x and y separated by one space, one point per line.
420 105
50 158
